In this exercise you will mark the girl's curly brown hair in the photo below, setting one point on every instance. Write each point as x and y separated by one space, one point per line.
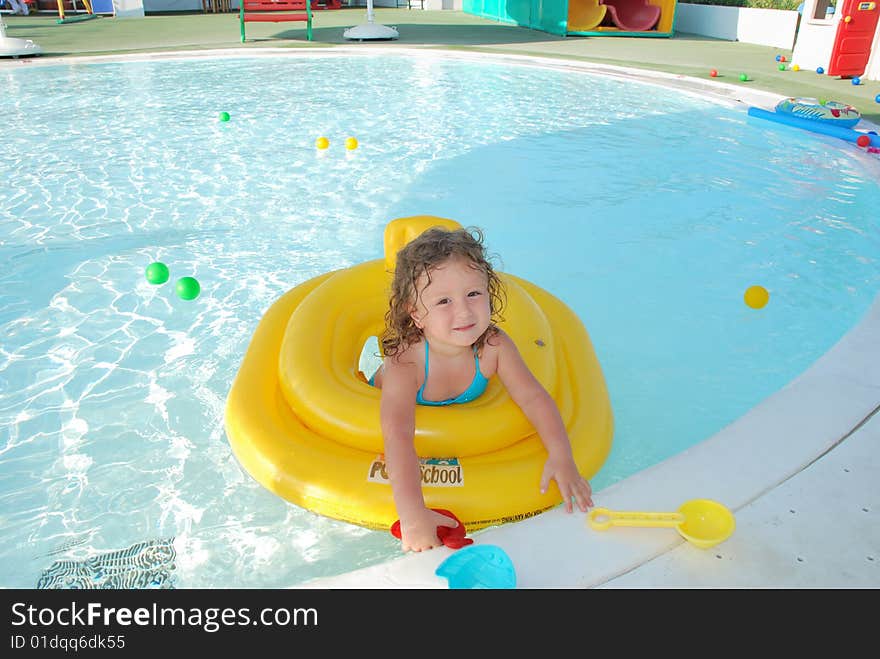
419 257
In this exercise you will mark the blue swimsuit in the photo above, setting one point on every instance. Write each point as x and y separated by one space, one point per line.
474 390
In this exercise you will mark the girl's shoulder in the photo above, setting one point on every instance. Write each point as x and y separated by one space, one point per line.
493 348
404 371
498 341
413 356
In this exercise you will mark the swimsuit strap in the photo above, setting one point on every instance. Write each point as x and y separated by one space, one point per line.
419 397
426 364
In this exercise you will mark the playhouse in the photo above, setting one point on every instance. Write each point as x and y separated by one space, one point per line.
631 18
844 43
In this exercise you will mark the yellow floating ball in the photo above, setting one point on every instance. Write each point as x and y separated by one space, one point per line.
322 142
351 143
756 296
795 67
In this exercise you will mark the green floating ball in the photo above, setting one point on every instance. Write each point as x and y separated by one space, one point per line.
224 116
157 273
187 288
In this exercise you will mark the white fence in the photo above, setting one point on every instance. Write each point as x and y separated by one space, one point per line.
766 27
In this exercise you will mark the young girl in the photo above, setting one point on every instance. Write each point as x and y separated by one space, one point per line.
441 346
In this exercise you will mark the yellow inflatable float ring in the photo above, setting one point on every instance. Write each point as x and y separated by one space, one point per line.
303 422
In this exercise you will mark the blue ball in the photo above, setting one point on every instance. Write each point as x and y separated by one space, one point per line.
857 80
820 70
877 98
777 57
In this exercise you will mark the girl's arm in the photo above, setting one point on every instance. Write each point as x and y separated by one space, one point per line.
418 524
541 410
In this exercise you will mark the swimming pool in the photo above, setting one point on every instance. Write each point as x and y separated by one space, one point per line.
647 210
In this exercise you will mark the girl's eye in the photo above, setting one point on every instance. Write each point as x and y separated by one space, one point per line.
474 293
445 300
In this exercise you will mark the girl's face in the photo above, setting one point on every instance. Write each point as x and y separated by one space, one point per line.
453 309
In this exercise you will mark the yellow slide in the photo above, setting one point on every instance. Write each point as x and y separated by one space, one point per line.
584 15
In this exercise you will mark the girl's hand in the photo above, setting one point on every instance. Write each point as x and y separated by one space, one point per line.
419 531
571 484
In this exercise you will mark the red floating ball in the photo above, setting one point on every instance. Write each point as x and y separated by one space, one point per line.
782 58
713 73
863 140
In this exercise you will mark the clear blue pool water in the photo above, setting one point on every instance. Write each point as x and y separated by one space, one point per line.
647 210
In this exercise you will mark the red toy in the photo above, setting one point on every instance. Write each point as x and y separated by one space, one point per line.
451 537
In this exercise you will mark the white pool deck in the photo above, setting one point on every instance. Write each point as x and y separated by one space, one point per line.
801 471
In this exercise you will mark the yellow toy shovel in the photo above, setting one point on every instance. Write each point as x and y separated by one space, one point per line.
702 522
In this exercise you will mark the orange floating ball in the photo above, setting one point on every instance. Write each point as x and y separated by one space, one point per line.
756 296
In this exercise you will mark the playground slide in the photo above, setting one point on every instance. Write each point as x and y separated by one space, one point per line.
633 15
584 15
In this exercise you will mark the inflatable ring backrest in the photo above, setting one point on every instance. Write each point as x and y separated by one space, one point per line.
402 230
318 368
